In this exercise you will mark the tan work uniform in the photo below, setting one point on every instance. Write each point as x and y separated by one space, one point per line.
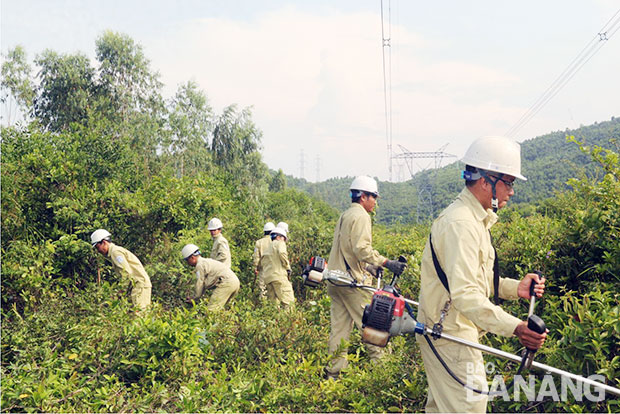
462 243
353 245
275 265
260 247
220 250
211 273
129 266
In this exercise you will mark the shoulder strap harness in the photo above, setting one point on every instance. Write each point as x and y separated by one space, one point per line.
444 279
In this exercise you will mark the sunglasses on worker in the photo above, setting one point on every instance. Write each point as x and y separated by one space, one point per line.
509 184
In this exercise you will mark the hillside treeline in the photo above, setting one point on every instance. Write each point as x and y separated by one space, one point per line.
100 147
548 163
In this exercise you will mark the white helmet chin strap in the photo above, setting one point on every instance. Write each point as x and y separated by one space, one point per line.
494 200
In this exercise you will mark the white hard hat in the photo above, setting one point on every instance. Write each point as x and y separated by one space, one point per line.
283 225
268 226
99 235
214 224
189 250
365 183
280 231
496 154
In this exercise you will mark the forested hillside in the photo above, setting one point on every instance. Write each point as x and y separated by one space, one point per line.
101 147
549 161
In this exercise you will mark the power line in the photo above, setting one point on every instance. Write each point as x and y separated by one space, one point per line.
606 32
387 81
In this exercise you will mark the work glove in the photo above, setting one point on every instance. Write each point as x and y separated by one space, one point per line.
372 269
395 266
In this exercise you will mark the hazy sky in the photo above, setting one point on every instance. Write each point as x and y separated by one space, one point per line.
312 70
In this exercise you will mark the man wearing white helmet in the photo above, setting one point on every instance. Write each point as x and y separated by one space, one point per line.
220 250
351 252
277 269
460 272
260 247
211 274
127 265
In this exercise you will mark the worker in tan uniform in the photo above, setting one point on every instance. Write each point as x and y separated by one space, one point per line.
460 244
277 269
127 265
351 252
211 274
260 247
220 250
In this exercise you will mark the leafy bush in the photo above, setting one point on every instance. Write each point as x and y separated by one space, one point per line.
91 354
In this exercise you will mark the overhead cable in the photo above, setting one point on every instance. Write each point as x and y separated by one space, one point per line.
607 31
387 80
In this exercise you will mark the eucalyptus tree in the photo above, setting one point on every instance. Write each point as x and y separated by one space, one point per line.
129 97
125 76
235 145
190 122
66 89
16 85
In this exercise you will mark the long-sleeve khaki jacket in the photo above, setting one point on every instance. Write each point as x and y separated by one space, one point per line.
259 250
220 250
210 273
462 243
353 244
128 266
275 262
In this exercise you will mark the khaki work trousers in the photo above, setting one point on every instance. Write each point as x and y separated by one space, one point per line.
141 297
280 291
347 309
262 287
445 395
224 292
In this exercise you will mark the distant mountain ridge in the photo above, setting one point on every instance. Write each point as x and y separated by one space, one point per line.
548 161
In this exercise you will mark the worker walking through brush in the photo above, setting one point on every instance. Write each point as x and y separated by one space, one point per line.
260 247
127 265
459 272
351 252
220 250
211 274
277 269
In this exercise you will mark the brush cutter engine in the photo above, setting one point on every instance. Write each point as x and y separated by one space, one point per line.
313 273
386 316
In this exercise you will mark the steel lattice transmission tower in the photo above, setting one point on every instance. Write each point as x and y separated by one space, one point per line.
425 190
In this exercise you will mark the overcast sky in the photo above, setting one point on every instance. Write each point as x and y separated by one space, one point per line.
312 70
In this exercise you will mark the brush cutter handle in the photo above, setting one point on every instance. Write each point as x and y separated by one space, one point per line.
533 284
533 293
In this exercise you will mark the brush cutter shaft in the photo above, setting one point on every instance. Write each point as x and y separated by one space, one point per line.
347 282
350 283
517 358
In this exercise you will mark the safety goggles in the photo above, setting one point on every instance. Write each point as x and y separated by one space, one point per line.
509 184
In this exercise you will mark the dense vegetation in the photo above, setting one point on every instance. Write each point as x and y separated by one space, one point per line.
100 147
548 163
